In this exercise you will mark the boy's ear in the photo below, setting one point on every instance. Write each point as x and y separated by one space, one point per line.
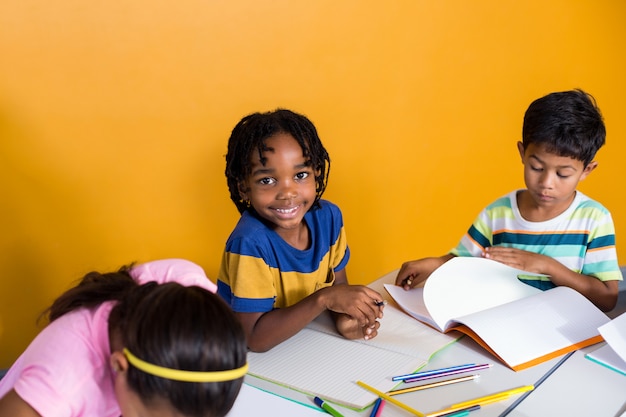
590 167
520 149
243 190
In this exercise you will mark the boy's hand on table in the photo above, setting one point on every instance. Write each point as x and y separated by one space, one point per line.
517 258
350 328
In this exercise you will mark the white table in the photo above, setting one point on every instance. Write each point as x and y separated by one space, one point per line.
568 386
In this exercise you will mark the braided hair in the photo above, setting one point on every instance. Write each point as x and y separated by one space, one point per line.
250 134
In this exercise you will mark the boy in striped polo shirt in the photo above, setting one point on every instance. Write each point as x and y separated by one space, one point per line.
548 228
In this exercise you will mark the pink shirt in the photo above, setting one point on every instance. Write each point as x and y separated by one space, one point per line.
65 370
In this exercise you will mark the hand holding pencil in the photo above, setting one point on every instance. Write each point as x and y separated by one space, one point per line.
415 272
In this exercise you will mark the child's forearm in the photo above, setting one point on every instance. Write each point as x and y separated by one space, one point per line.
268 329
602 294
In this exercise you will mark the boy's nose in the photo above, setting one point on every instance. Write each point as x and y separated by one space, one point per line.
546 180
288 190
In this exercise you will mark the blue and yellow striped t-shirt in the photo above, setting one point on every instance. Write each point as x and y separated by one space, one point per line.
582 237
260 271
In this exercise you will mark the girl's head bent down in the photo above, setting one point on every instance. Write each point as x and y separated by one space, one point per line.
178 328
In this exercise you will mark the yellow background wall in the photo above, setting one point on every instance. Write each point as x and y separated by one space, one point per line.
114 117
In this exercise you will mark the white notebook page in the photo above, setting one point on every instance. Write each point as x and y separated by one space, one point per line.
318 361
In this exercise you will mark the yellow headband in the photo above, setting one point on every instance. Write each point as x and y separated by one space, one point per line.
187 376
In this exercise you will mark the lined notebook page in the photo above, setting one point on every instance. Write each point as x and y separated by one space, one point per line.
318 361
466 285
462 286
532 327
614 332
606 356
613 354
399 333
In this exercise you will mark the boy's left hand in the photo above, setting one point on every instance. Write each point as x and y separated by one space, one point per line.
517 258
350 328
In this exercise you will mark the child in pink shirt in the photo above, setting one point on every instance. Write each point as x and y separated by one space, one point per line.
129 343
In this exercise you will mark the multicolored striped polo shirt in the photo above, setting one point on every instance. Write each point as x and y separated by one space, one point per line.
582 237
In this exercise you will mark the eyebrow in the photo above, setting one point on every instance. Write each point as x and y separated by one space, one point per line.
261 171
535 157
264 170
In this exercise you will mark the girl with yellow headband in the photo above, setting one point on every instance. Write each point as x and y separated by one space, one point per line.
151 340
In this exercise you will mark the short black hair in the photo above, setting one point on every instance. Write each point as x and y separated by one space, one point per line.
568 123
249 136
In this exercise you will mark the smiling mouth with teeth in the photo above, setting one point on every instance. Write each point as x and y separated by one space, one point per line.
286 210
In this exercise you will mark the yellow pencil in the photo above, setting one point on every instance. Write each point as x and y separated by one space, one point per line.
481 400
452 409
488 399
390 399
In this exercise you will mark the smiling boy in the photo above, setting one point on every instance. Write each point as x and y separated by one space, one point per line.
284 264
549 228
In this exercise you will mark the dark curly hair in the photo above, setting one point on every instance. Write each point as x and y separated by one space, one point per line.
249 136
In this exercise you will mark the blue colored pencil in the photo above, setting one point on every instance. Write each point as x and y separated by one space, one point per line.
448 373
375 408
432 372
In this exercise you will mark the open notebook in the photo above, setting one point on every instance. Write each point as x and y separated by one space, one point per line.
319 362
519 324
613 354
